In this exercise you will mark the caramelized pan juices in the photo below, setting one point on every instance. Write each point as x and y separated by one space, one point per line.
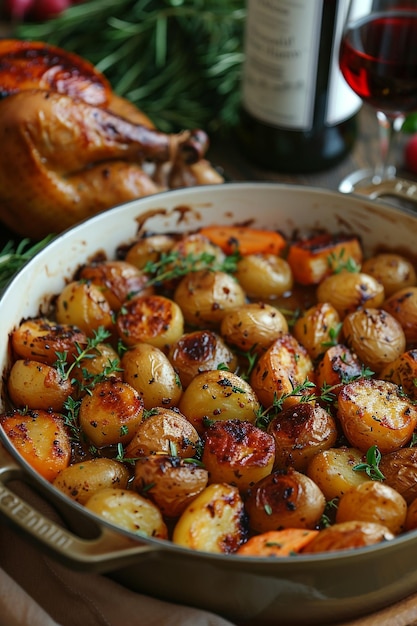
229 390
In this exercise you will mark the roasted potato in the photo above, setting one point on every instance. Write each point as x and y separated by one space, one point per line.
148 250
80 480
300 432
206 296
253 326
402 305
42 439
148 370
164 431
213 522
200 351
316 327
264 276
338 365
376 413
111 413
101 362
152 319
375 336
284 499
238 453
169 481
334 471
118 281
37 386
394 271
82 304
284 366
218 395
399 469
373 501
348 291
129 510
403 372
40 339
348 535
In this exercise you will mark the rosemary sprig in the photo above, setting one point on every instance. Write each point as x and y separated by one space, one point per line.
178 60
13 257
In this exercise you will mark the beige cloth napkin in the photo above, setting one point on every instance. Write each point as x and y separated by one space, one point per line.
37 591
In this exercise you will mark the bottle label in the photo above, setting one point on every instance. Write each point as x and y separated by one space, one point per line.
282 43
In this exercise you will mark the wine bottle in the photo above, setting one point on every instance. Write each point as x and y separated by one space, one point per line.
297 114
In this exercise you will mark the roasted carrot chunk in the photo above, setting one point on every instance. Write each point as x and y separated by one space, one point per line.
277 543
314 258
245 240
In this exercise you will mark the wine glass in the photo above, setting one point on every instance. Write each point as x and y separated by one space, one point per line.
378 59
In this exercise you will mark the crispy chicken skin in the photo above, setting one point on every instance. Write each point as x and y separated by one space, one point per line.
63 160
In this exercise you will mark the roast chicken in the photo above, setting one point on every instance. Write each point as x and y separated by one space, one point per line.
70 147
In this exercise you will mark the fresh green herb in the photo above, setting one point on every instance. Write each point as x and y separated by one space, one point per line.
65 369
371 466
178 60
333 336
268 509
13 258
327 519
340 262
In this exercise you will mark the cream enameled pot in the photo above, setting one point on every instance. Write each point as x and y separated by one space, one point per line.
313 589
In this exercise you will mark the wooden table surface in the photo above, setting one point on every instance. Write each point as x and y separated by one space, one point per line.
364 155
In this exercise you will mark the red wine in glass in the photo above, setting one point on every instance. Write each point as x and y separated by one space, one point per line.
378 58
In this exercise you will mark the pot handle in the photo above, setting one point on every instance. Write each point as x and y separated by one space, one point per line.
108 550
395 188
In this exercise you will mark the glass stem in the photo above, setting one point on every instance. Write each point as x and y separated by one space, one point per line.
388 130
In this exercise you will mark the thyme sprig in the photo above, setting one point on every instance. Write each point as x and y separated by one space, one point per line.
13 257
371 465
89 351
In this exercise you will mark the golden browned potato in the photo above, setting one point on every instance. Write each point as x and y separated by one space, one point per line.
403 372
129 510
348 535
375 336
238 453
399 469
102 361
213 522
200 351
333 470
317 327
169 481
148 250
403 306
264 276
40 339
376 413
164 431
110 413
285 365
347 291
218 395
37 386
300 432
337 366
148 370
206 296
394 271
80 480
373 501
253 326
284 499
150 319
82 304
42 439
118 281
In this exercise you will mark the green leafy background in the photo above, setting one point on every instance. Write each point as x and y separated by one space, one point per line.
178 60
